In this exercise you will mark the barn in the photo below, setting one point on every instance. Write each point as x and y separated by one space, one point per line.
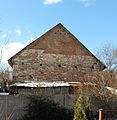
56 59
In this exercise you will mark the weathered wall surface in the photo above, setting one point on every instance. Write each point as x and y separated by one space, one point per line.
36 65
13 107
57 55
47 91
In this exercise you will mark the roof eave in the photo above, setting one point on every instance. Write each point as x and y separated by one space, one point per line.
10 62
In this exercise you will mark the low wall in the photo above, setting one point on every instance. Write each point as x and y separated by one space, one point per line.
12 107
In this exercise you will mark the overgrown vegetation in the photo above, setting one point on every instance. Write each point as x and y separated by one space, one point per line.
41 108
103 85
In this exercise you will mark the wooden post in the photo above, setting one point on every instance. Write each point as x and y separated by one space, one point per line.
100 114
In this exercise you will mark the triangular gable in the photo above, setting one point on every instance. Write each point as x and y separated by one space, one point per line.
58 40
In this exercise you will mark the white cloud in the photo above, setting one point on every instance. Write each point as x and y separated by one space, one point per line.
7 50
50 2
11 49
30 40
18 31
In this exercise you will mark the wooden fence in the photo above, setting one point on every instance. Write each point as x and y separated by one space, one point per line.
107 114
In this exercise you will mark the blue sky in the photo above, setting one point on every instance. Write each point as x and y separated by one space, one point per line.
93 22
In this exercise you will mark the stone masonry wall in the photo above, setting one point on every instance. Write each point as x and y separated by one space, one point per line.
36 65
56 55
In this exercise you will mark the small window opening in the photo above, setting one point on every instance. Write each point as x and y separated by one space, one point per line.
30 76
59 65
93 67
22 63
40 64
75 66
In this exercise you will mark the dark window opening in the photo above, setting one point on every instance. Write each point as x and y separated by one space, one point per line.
71 90
94 67
22 63
30 76
59 65
40 64
75 66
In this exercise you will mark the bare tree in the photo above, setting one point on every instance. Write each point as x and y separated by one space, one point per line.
108 55
4 70
103 84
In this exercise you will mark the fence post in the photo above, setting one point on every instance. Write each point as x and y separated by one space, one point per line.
100 114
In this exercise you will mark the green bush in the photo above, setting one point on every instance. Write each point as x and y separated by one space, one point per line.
82 110
88 111
79 112
41 108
